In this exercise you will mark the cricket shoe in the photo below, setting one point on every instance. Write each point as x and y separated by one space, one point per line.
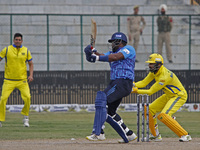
0 124
131 137
152 138
95 137
185 138
26 122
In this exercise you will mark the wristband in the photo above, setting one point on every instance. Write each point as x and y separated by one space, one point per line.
103 58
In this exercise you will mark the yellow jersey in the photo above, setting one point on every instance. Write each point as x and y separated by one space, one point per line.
15 62
165 80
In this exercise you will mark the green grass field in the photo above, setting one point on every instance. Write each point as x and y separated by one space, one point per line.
67 125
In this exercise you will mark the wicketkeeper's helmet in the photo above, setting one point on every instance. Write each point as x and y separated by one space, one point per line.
155 59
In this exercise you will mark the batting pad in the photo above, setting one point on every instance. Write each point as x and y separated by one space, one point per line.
151 122
172 124
100 113
118 128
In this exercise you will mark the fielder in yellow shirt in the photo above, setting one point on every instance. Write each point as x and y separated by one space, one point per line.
173 98
15 76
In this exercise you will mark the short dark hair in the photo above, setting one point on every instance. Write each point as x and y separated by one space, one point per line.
18 35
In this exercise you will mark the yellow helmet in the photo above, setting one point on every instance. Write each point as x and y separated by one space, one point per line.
155 58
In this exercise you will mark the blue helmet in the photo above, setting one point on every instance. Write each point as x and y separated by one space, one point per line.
118 36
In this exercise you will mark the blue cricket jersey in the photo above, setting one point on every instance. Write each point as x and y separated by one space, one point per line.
123 68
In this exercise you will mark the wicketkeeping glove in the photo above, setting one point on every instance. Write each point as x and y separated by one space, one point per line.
133 83
134 89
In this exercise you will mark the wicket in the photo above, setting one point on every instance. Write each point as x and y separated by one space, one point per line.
143 98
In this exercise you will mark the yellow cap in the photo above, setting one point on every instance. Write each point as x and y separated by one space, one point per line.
155 58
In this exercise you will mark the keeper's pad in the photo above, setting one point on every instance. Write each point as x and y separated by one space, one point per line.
172 124
100 113
118 128
151 122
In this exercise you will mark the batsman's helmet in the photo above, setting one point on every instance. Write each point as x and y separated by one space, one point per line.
163 6
118 36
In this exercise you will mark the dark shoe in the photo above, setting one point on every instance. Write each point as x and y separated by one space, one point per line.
136 60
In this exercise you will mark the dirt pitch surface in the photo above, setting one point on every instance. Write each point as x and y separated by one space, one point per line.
109 144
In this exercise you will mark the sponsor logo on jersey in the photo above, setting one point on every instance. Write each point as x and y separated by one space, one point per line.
126 51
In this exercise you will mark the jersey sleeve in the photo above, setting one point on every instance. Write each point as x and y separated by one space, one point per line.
145 81
154 88
29 57
128 52
108 53
3 53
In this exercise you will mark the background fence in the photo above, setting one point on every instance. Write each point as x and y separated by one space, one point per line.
80 87
57 41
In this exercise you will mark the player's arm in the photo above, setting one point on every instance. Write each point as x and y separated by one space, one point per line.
143 23
170 23
110 58
129 28
145 81
154 88
115 57
3 53
30 78
97 53
30 63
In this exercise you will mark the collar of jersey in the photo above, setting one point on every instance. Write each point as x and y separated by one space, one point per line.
16 46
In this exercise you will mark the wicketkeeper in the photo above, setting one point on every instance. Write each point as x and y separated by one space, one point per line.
173 98
122 63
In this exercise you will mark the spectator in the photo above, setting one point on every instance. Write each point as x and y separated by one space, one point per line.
134 28
164 23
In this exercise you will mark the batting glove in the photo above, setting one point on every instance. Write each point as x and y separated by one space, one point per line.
88 50
91 58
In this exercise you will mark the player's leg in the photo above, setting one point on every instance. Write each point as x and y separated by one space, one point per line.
168 46
7 88
117 123
131 39
160 43
100 117
120 88
165 116
136 40
26 97
155 107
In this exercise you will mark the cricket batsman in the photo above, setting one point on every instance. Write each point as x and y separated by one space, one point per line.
122 64
173 98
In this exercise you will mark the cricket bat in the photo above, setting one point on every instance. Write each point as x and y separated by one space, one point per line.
93 33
